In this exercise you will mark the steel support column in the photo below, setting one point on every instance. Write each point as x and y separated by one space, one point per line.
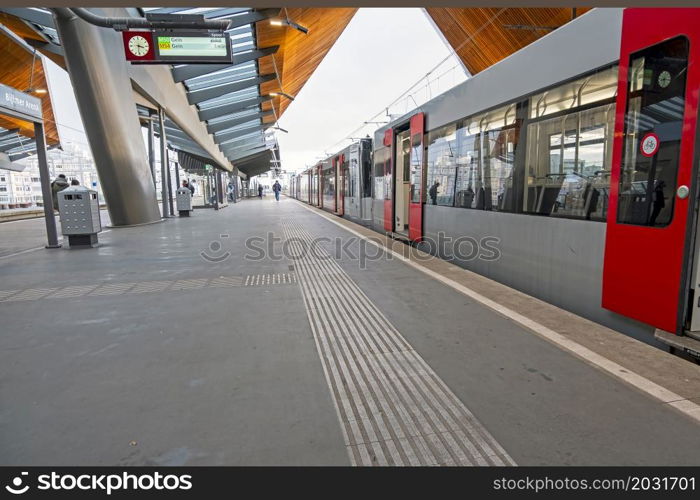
104 94
152 148
46 194
164 170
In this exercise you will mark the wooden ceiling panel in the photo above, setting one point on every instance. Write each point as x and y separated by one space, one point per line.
481 36
299 54
16 71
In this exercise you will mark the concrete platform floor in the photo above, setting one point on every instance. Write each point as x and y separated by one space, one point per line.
179 343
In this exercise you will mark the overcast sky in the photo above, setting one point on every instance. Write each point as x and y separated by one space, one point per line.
381 53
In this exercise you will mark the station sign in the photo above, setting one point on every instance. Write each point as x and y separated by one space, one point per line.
15 103
177 47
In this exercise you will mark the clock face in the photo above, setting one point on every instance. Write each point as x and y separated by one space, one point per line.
664 79
138 46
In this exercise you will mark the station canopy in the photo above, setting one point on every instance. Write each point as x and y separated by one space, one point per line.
240 103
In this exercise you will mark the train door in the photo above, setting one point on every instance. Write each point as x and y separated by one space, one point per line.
653 190
352 181
416 178
402 181
342 184
388 181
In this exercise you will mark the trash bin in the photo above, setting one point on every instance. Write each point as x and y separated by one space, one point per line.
79 209
183 199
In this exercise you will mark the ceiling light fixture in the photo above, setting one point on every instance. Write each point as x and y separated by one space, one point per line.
276 94
290 23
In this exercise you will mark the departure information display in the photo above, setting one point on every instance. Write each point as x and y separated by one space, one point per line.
177 47
192 46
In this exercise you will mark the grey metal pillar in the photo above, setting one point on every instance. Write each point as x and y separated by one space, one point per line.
170 181
94 57
219 189
152 148
164 171
177 176
47 195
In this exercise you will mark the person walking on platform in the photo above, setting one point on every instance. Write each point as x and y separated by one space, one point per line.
260 190
433 192
277 187
59 184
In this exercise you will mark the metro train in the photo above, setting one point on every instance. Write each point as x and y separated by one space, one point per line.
579 153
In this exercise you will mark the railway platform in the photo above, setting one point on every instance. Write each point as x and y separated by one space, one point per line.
272 333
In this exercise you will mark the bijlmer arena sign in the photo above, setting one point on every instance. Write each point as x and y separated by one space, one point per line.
16 103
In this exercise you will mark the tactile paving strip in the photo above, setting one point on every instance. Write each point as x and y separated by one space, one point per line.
139 287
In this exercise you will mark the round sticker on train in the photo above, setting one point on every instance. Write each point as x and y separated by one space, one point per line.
650 144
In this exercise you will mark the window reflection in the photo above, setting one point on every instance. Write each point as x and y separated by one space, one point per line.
568 164
655 104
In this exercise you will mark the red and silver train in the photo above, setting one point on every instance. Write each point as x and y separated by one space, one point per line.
579 154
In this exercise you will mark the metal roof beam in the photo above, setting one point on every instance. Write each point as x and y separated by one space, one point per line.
187 71
46 46
204 95
30 15
218 127
227 109
248 153
8 133
238 133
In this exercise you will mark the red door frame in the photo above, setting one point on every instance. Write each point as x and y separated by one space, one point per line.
646 267
388 167
415 210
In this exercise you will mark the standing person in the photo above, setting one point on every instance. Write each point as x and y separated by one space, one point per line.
260 190
59 184
277 187
433 192
190 184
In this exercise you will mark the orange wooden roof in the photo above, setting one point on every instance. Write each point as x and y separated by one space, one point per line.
483 36
16 72
299 54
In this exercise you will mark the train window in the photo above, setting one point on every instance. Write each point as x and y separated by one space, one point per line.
379 159
652 139
442 153
498 158
366 164
568 164
587 90
469 173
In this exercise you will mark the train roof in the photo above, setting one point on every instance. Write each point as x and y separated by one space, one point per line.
592 41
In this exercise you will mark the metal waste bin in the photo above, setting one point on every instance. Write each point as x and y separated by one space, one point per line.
79 208
183 198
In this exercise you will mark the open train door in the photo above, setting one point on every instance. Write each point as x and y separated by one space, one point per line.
388 182
415 205
652 192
